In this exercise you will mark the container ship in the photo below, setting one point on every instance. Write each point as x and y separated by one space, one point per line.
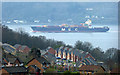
83 27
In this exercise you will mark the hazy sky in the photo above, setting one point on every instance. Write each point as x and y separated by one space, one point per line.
60 0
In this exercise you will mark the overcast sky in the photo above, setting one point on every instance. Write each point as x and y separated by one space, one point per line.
60 0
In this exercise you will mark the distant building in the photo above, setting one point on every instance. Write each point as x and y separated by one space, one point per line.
17 46
74 55
9 48
49 54
50 57
23 49
51 50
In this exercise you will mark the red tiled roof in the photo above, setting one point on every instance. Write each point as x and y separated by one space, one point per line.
18 48
90 67
52 51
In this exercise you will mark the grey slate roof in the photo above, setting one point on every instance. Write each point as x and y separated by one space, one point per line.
17 45
43 52
9 55
12 59
15 69
8 48
23 47
87 61
92 61
50 57
40 59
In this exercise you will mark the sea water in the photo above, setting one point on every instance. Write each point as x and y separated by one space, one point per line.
104 40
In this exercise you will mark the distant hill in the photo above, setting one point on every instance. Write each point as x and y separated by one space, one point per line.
60 12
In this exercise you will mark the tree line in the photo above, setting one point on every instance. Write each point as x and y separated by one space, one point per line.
110 57
20 37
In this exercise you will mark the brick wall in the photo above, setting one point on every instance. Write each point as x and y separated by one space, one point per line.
37 63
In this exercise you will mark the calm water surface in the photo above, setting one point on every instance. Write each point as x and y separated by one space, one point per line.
103 40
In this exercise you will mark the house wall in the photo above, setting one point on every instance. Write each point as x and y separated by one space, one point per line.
26 50
72 56
100 70
52 51
9 64
4 72
5 60
56 54
31 70
18 48
37 63
85 73
59 54
68 56
14 64
64 54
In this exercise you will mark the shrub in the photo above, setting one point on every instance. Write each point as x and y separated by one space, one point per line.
50 70
67 72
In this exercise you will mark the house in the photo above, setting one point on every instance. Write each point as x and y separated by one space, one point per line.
86 61
43 52
68 53
39 62
9 55
51 50
24 49
12 62
17 46
14 70
91 69
50 57
49 54
9 48
75 55
4 63
33 69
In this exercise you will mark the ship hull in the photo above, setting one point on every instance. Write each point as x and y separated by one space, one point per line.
58 29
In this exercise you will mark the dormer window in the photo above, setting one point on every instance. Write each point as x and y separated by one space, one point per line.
21 64
16 65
